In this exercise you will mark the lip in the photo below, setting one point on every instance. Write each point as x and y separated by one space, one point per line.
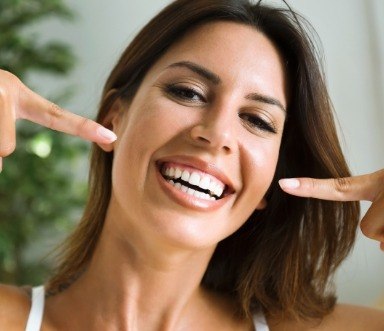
199 165
187 200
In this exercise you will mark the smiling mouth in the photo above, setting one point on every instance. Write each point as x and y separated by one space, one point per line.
194 183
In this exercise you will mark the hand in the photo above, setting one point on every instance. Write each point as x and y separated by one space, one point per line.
19 102
367 187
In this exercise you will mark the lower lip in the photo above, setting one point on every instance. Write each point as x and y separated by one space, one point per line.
187 200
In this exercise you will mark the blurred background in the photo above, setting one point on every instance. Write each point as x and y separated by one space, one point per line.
64 50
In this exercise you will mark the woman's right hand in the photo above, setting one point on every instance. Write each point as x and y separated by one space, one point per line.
18 102
369 187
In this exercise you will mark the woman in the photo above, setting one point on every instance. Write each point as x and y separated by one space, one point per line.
186 227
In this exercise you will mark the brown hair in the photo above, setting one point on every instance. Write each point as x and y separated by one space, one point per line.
283 258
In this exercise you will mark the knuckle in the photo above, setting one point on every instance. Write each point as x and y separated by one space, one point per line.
309 184
9 85
370 231
376 186
3 98
8 78
3 93
55 114
366 229
7 148
342 185
84 122
312 183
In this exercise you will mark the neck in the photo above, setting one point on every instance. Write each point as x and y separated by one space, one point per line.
139 286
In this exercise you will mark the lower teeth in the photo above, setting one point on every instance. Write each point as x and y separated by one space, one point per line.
191 191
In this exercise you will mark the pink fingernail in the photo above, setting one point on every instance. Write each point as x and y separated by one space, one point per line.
290 183
107 134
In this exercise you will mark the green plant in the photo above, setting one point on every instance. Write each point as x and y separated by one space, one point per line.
38 192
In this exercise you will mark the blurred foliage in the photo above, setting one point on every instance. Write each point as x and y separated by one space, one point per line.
39 195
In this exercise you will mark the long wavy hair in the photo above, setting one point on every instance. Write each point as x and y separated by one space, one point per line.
283 258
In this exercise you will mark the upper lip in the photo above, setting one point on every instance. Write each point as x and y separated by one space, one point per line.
199 164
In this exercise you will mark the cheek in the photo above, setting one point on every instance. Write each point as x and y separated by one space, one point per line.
260 163
149 125
155 121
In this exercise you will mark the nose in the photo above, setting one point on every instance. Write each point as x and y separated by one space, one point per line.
214 131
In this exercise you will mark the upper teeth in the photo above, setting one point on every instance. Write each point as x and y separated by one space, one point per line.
205 182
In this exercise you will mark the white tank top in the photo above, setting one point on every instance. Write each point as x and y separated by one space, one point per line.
37 309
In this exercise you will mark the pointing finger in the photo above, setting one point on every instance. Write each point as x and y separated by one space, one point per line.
48 114
365 187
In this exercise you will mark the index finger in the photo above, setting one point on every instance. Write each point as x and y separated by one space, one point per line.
48 114
364 187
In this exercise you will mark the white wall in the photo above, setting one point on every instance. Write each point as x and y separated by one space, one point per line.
352 32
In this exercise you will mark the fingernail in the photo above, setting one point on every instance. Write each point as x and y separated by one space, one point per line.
290 183
107 134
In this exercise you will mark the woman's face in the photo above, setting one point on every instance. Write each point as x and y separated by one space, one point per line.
199 143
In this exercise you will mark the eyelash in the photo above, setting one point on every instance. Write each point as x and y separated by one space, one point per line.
258 123
187 94
184 93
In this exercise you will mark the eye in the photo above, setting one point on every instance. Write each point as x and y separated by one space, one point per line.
186 94
257 123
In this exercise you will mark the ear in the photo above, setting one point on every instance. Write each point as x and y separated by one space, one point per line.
112 120
262 204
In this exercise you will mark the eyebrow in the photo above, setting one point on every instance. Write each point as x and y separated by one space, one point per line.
216 80
209 75
266 99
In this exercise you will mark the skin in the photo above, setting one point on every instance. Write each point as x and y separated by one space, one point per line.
155 248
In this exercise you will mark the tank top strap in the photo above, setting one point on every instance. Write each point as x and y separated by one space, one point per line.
37 309
260 322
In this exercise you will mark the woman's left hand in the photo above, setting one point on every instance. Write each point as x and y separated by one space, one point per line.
368 187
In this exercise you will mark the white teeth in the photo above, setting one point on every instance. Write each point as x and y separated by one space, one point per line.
178 173
212 186
218 190
195 178
184 188
204 182
185 176
191 191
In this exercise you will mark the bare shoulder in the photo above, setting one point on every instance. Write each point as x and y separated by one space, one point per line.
357 318
344 317
14 307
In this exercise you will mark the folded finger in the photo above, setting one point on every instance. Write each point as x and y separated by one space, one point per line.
7 127
372 224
